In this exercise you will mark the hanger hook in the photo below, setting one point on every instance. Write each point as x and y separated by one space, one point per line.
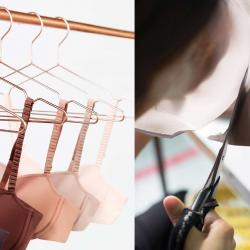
63 39
37 36
8 30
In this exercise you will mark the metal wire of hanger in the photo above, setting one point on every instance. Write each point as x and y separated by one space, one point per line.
43 85
121 116
93 113
38 120
14 70
38 67
59 65
14 115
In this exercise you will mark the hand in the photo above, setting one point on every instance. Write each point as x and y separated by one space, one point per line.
216 233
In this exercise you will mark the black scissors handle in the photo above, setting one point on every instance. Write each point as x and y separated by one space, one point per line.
189 219
193 217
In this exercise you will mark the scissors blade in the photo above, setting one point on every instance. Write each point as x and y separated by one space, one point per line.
217 168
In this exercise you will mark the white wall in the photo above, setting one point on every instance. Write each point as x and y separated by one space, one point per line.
105 60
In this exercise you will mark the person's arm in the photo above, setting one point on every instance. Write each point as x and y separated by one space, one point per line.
216 234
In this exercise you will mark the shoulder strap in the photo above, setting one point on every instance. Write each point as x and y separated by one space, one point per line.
11 171
106 135
77 155
56 133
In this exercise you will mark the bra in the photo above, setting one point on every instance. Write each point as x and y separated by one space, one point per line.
59 214
103 203
67 182
17 218
112 200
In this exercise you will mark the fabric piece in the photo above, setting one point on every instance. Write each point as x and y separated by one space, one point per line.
240 135
178 110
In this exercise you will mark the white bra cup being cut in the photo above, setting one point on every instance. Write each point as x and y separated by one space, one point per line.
213 95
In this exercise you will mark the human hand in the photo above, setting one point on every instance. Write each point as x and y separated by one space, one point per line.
216 233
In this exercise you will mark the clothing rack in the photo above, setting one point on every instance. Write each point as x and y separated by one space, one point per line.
28 18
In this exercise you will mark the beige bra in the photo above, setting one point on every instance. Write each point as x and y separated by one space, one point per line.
67 182
59 214
99 201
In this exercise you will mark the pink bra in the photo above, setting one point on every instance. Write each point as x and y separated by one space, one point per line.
98 200
59 214
112 200
67 183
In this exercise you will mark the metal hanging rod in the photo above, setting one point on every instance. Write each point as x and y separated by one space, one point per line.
27 18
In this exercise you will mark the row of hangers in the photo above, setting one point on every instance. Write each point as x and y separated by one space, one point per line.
70 117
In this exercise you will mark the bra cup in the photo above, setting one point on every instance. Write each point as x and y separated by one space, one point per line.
59 214
20 222
89 208
15 211
60 227
112 201
68 185
31 227
29 188
92 181
111 207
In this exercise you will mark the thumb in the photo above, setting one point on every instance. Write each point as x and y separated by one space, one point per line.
174 208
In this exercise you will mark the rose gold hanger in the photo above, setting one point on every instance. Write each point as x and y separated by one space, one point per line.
30 78
36 120
14 70
18 118
93 113
121 116
43 85
31 63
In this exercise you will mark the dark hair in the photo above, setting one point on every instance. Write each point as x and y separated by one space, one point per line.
164 28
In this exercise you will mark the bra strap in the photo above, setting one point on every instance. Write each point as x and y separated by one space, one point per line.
11 171
77 155
106 135
56 133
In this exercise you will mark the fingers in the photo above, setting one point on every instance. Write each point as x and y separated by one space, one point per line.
219 232
174 208
210 218
215 223
216 232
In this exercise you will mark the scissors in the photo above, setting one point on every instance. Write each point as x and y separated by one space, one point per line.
205 200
